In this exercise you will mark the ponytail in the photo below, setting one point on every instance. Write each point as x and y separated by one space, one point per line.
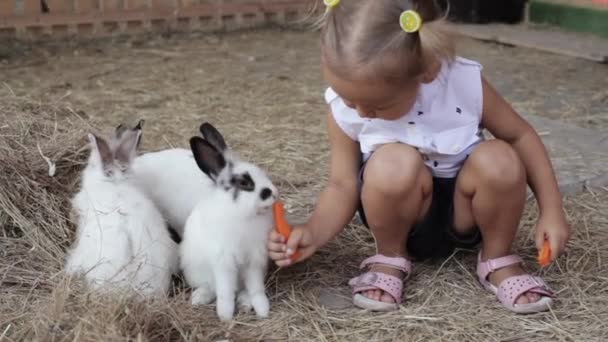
436 41
356 35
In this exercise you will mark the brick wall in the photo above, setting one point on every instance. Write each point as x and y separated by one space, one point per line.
34 19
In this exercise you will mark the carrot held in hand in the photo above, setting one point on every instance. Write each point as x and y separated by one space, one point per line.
282 225
544 255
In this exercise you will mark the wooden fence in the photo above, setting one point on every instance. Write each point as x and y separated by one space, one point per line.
35 19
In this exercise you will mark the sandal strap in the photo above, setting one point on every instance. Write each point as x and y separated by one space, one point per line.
378 281
484 268
513 287
399 263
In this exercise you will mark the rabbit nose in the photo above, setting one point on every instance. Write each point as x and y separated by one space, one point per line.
265 194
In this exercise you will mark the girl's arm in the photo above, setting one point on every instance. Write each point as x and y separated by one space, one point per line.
338 202
335 207
505 124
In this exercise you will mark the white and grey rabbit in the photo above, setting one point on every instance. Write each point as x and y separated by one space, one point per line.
172 180
223 251
122 239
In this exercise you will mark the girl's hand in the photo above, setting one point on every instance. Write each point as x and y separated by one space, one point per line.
554 228
301 239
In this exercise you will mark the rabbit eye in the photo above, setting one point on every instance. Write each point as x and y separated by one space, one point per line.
243 182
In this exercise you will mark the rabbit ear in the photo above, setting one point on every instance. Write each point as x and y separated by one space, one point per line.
140 125
213 136
208 158
120 129
126 149
103 149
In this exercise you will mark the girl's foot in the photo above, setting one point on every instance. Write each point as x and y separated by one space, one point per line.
381 287
379 295
516 290
495 278
498 276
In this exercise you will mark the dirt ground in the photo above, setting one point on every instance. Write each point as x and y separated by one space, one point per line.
263 89
172 80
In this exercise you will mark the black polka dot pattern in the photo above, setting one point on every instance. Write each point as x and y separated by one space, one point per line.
435 163
458 110
411 123
420 112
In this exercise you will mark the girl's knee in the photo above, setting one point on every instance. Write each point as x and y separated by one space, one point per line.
497 164
394 169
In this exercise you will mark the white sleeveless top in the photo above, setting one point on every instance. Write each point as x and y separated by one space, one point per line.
443 124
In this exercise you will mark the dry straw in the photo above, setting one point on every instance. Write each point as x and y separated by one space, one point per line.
443 300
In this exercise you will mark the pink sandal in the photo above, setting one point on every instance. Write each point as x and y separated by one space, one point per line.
513 287
380 281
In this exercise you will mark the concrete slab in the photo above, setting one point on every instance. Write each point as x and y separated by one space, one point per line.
551 40
579 155
335 298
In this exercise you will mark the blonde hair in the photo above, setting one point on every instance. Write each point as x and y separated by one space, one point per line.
363 39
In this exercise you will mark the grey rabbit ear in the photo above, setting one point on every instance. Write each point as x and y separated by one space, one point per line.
120 129
213 136
208 158
140 124
126 149
103 148
139 127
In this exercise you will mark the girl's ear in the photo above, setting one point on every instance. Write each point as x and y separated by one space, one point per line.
431 72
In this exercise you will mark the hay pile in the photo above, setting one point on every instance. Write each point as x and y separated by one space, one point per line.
41 151
443 301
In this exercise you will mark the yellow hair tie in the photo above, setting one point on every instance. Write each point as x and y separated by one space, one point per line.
410 21
331 3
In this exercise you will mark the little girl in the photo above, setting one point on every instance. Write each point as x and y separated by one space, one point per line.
407 151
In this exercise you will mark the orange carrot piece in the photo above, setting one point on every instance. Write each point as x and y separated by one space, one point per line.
282 225
544 255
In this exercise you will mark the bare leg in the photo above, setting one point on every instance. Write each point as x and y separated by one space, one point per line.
491 191
396 193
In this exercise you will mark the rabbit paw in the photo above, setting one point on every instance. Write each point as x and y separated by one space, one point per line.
261 305
244 301
202 296
225 310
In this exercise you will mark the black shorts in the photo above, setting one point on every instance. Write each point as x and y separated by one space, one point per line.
434 236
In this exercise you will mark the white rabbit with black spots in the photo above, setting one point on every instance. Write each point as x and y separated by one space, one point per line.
223 251
122 239
172 180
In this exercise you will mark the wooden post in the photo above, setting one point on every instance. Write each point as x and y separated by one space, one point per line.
112 5
60 6
31 7
136 4
188 3
163 4
86 6
7 8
